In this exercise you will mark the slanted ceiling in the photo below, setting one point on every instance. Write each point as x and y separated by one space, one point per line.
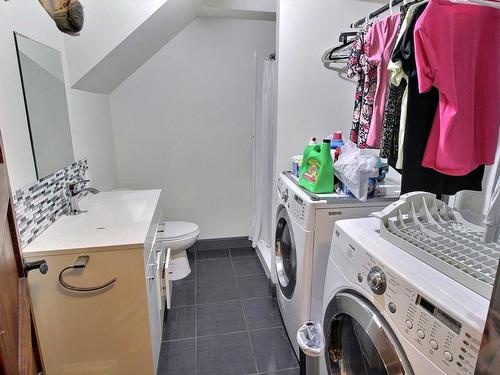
157 30
139 46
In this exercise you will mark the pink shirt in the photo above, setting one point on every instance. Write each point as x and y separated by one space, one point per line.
380 40
457 49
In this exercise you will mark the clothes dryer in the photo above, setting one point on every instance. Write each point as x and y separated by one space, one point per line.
304 227
387 312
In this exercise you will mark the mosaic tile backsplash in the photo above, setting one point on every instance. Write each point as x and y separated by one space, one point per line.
43 202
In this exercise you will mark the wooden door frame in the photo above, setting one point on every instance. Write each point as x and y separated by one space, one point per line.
26 327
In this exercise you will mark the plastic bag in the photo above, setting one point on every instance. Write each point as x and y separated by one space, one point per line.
310 338
354 169
67 14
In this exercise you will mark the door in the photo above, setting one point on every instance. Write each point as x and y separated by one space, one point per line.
285 255
359 341
18 345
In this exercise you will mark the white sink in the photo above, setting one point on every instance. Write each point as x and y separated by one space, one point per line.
115 219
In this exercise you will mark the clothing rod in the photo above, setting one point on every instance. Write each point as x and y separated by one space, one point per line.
375 13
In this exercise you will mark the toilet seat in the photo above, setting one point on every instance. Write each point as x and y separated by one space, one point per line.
178 230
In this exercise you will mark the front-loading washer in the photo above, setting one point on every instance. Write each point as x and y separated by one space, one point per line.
387 312
304 227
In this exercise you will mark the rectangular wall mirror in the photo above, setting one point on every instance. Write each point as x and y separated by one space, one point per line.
46 105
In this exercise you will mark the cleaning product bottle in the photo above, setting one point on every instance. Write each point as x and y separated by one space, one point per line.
317 171
337 140
307 149
337 143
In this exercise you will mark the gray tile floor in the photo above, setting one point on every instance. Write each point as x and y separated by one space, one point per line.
224 320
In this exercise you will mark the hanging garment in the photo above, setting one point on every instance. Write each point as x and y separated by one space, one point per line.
456 50
264 156
421 110
365 89
389 144
379 41
369 89
355 68
398 76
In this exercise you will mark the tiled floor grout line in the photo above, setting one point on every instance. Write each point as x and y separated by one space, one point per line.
225 333
219 258
217 302
245 319
276 371
223 247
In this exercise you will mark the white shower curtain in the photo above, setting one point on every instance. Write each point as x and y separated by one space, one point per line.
264 156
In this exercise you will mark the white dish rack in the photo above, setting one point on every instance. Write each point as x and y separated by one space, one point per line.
428 229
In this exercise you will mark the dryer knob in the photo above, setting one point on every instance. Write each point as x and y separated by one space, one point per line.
376 280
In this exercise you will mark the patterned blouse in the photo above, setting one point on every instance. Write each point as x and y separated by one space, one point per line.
355 67
365 89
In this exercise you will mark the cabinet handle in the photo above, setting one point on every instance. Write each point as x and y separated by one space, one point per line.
80 263
40 265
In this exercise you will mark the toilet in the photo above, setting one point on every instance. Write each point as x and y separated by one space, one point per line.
178 236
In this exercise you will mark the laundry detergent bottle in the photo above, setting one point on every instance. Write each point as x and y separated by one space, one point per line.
307 149
317 169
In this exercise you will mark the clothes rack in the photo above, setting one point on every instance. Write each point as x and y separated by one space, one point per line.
346 34
375 13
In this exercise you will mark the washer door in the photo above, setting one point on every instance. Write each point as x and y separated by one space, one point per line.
359 341
285 255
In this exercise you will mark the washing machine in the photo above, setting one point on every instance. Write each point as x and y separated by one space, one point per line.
387 312
304 227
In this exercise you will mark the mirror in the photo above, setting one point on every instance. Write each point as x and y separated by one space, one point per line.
42 78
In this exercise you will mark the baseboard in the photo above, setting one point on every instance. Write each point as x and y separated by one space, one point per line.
218 243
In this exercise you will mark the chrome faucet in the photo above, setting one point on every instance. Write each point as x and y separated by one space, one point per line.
73 193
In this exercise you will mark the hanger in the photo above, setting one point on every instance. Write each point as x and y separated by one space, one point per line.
390 8
339 53
487 3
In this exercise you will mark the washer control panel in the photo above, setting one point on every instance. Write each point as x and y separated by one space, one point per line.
450 343
297 207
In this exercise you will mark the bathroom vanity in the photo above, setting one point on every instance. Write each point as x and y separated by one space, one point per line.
99 309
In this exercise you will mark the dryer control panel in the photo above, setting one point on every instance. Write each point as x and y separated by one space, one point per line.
448 341
297 208
296 205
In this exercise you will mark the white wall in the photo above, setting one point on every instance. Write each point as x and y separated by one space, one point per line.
107 24
183 122
90 116
30 19
312 100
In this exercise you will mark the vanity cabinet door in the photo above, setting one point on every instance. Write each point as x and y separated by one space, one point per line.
100 332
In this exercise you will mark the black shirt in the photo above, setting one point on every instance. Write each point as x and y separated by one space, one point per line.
421 109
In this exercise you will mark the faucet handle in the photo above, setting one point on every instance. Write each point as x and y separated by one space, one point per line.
72 186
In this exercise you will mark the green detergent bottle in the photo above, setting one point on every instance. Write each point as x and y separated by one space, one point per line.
307 150
316 173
